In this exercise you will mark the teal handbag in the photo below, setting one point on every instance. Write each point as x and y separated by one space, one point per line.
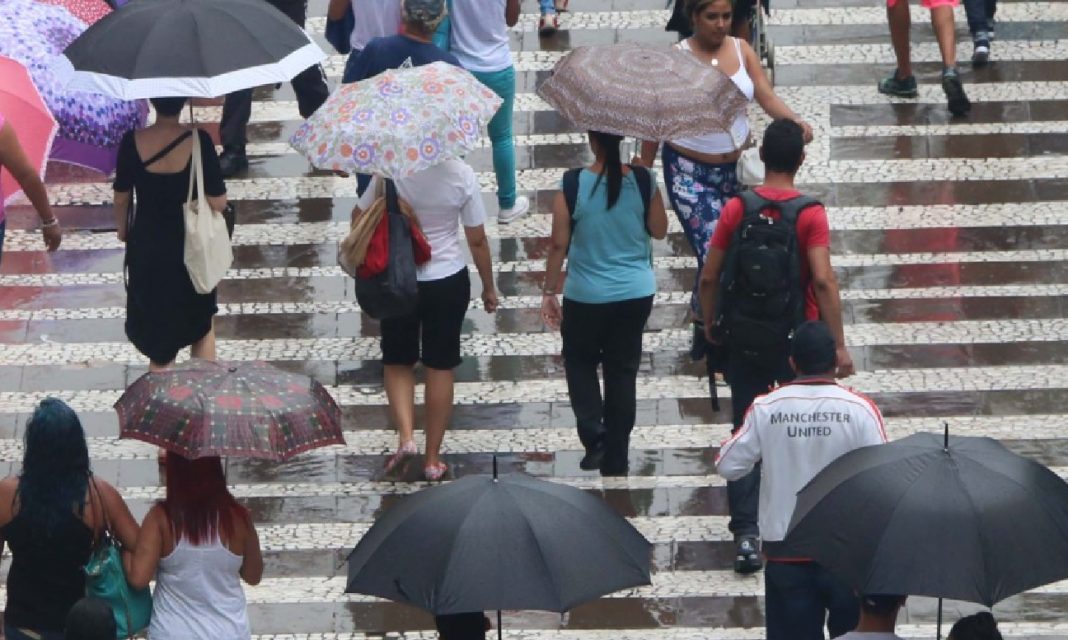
106 579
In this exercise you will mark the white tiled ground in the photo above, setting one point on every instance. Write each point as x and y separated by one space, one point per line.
1043 431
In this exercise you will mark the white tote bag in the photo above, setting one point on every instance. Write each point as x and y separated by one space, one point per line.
208 254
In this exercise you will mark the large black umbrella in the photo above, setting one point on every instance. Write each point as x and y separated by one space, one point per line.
483 543
947 517
187 48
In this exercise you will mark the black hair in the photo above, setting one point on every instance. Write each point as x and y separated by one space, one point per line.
695 6
784 146
55 467
169 107
90 619
980 626
881 605
612 171
462 626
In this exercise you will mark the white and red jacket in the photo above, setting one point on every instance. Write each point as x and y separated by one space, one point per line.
797 430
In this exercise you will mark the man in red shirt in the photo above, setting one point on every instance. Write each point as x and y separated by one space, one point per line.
783 151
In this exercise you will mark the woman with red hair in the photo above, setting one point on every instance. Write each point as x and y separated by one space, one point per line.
198 543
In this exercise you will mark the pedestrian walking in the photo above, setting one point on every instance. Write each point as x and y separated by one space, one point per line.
51 516
91 619
603 219
371 19
443 197
980 15
978 626
198 544
479 39
701 172
796 431
753 317
164 313
309 85
14 161
902 83
549 21
413 47
878 618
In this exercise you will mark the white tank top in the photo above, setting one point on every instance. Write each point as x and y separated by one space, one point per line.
199 596
723 142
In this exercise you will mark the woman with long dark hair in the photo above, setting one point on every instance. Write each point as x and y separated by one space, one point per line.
198 543
51 515
608 294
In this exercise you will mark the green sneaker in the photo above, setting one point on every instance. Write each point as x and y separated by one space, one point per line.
900 87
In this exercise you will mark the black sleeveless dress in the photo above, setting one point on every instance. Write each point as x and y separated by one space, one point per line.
47 572
164 313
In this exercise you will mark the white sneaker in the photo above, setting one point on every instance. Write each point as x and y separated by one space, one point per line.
518 210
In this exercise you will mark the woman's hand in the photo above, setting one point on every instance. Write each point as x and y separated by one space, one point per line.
806 130
489 300
52 234
551 313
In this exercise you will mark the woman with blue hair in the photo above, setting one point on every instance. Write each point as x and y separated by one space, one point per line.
51 515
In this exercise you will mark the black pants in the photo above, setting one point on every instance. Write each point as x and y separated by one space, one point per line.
309 85
609 335
747 381
800 598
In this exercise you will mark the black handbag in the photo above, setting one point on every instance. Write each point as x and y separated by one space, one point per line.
394 292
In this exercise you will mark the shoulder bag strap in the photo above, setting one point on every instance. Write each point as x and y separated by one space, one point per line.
170 147
196 172
791 209
103 507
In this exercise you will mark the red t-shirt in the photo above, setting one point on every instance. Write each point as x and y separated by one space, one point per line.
812 231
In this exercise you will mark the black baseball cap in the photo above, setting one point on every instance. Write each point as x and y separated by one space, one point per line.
813 348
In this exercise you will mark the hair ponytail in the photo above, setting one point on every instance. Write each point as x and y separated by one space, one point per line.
612 171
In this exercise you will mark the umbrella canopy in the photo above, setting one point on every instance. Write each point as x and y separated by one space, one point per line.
959 518
88 11
635 90
200 408
23 106
398 122
510 543
90 126
224 45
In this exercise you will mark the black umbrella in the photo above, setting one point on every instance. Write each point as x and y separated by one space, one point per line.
187 48
513 542
958 518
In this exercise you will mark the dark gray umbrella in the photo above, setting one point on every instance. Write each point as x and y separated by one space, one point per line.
186 48
483 543
959 518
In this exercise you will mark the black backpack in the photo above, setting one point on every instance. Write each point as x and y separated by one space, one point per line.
761 301
641 174
394 292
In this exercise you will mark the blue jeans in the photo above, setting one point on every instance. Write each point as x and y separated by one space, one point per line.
980 15
547 6
801 597
500 131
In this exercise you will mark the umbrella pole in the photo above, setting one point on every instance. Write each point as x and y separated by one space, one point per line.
500 631
938 635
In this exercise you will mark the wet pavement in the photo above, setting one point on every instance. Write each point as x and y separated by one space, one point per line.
950 242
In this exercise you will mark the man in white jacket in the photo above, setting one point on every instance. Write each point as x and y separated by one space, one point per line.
796 431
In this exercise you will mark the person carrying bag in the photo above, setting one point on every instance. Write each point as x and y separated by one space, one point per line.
105 579
208 254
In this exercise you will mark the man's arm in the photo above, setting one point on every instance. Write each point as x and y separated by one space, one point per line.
511 13
709 289
738 455
825 287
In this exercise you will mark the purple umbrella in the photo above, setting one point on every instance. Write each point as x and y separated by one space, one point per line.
90 125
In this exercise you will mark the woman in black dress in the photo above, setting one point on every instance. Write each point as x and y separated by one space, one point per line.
164 313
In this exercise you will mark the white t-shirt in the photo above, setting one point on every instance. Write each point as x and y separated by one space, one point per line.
443 197
870 635
374 19
479 37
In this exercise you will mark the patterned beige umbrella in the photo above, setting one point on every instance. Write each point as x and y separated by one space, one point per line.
644 92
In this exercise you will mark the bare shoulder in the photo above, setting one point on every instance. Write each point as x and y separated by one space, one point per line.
9 486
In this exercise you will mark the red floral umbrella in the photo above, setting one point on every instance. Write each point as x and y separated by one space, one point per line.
200 408
88 11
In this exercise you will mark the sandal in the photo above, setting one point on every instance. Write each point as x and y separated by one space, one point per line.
404 452
435 472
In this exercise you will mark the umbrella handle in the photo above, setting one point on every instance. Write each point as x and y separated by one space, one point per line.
938 635
500 630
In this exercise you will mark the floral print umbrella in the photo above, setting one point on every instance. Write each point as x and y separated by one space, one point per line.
90 126
201 408
398 122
